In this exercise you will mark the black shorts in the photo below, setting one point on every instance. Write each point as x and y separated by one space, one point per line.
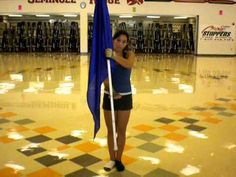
124 103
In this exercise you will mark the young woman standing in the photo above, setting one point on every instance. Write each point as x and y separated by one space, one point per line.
122 96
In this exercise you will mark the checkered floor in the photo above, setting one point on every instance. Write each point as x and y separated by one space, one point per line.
169 135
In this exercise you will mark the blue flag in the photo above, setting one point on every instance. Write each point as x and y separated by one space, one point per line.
102 39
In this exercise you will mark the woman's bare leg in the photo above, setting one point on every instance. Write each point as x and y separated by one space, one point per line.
108 120
122 121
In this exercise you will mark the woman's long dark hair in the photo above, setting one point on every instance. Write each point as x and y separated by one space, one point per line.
118 34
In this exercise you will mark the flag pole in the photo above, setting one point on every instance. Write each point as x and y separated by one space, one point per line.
112 105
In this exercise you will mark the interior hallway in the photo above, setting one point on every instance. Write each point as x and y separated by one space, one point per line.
183 121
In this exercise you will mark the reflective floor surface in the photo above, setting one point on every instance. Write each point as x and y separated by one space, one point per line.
183 121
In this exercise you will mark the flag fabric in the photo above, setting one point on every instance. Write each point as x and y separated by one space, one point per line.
102 39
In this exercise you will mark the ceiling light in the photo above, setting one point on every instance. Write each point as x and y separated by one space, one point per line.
152 16
41 15
15 15
126 16
180 17
70 15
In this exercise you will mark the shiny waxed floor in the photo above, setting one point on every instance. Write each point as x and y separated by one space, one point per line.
182 124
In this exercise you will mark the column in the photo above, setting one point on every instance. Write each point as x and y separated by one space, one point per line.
83 32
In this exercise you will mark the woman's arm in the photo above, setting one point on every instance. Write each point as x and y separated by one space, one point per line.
126 63
106 84
115 94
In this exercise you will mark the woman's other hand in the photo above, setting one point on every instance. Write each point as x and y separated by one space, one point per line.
108 53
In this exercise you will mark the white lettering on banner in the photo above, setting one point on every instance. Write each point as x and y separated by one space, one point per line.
132 2
52 1
217 32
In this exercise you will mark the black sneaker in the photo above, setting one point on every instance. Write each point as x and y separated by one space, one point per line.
119 166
